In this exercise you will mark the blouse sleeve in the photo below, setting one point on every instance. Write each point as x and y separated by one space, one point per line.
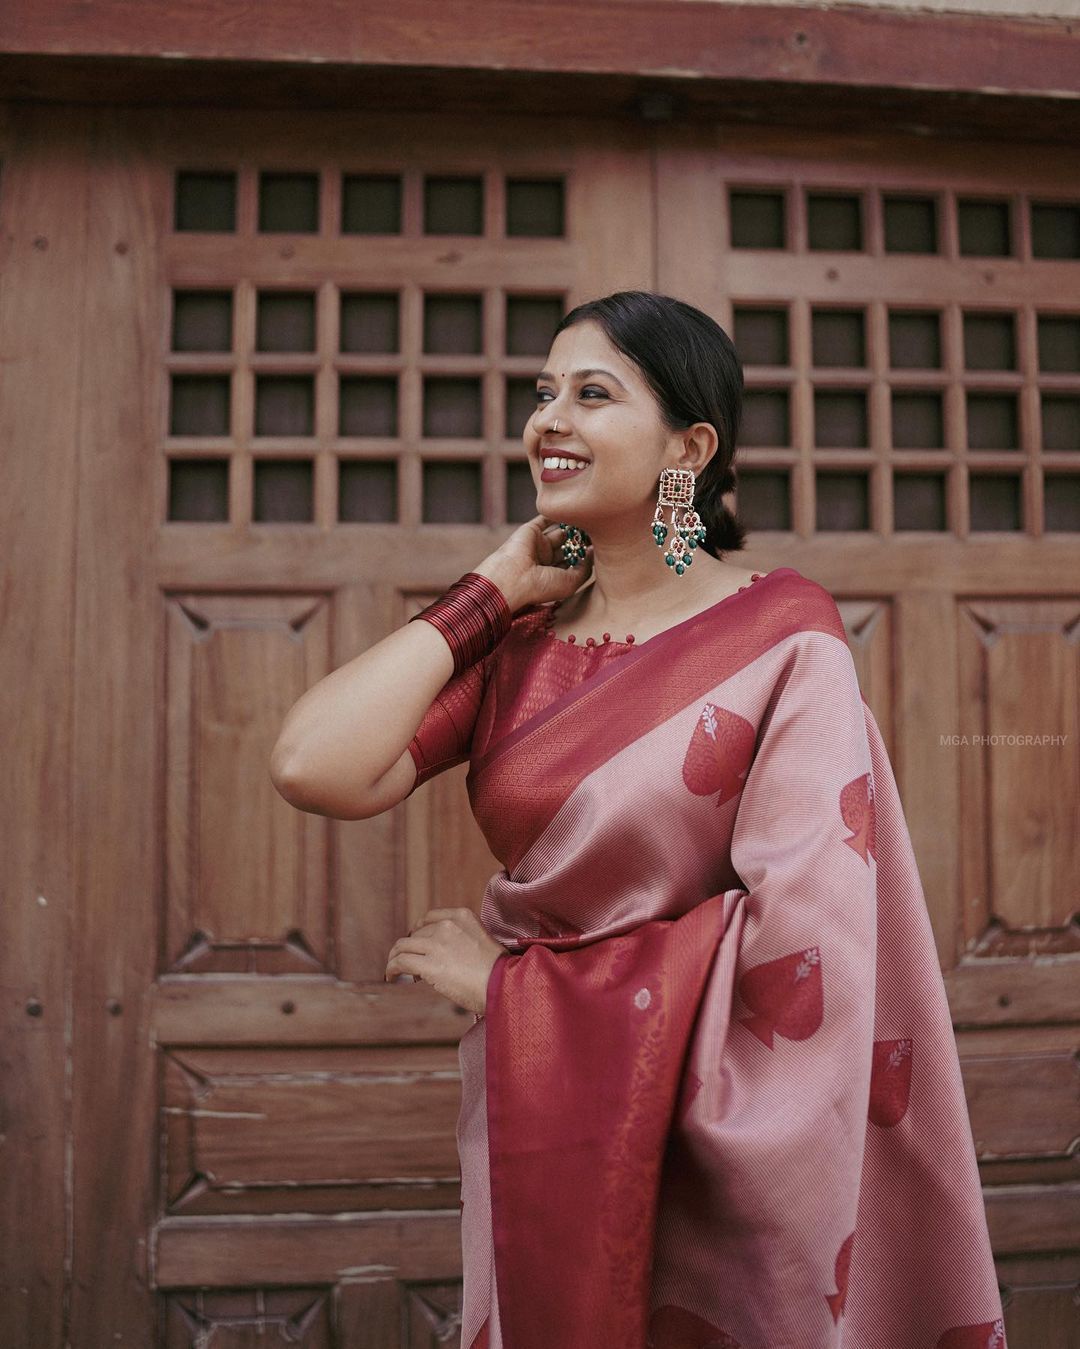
444 737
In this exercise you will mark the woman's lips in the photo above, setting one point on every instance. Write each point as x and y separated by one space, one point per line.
554 474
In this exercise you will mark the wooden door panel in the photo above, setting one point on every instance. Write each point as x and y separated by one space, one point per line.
912 352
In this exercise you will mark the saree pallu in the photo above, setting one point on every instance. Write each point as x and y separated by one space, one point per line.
714 1101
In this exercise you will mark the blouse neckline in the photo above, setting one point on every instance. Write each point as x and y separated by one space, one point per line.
591 644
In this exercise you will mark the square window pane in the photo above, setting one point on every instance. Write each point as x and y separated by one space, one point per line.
288 203
764 498
843 502
984 228
531 321
761 336
284 405
452 493
838 337
367 491
452 407
989 342
914 340
202 320
1055 230
284 491
206 202
1059 343
919 501
199 490
199 405
367 405
371 203
1061 495
285 321
765 418
535 208
834 221
840 420
454 205
1060 421
520 493
911 225
369 322
757 219
521 403
992 421
995 502
918 421
453 325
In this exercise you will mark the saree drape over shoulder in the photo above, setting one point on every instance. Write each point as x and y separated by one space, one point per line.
714 1101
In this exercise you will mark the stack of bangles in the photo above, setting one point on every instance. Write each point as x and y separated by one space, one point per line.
473 615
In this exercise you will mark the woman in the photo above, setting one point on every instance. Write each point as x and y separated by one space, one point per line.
711 1094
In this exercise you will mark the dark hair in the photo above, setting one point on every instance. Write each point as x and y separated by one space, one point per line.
690 365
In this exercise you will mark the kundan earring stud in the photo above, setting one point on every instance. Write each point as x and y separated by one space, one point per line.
574 545
677 491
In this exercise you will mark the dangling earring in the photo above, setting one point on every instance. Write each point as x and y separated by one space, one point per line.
573 546
677 491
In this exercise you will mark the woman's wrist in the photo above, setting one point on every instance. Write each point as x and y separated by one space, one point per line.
473 615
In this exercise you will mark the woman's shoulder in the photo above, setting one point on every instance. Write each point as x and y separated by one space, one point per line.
801 602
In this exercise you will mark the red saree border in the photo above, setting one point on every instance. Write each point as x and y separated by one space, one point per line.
567 740
584 1057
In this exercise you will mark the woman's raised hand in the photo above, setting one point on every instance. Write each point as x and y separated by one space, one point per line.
528 568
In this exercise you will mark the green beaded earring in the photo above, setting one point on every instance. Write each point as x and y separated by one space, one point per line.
677 491
574 545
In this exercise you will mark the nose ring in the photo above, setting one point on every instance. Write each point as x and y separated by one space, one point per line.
556 426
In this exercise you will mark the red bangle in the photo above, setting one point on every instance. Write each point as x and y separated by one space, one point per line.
473 615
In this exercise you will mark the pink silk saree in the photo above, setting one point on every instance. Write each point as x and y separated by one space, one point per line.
714 1101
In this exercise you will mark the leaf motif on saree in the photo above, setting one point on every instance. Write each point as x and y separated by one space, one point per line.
673 1327
843 1266
857 812
890 1082
985 1335
719 754
784 996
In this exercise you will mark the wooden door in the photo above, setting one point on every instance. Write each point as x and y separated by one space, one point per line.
908 317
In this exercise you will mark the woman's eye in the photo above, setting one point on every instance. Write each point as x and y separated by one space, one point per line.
590 389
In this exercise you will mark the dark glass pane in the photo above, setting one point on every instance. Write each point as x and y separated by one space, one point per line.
914 340
992 422
284 491
535 208
453 206
1061 495
206 202
984 229
520 493
199 405
521 403
199 490
452 493
453 325
918 421
202 320
757 219
1059 343
911 225
843 502
367 405
371 204
531 321
285 321
840 419
452 407
1060 421
284 405
919 501
288 203
765 419
995 501
367 491
761 336
989 342
838 337
764 499
833 221
369 322
1055 230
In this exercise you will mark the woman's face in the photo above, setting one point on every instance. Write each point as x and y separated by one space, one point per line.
609 416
